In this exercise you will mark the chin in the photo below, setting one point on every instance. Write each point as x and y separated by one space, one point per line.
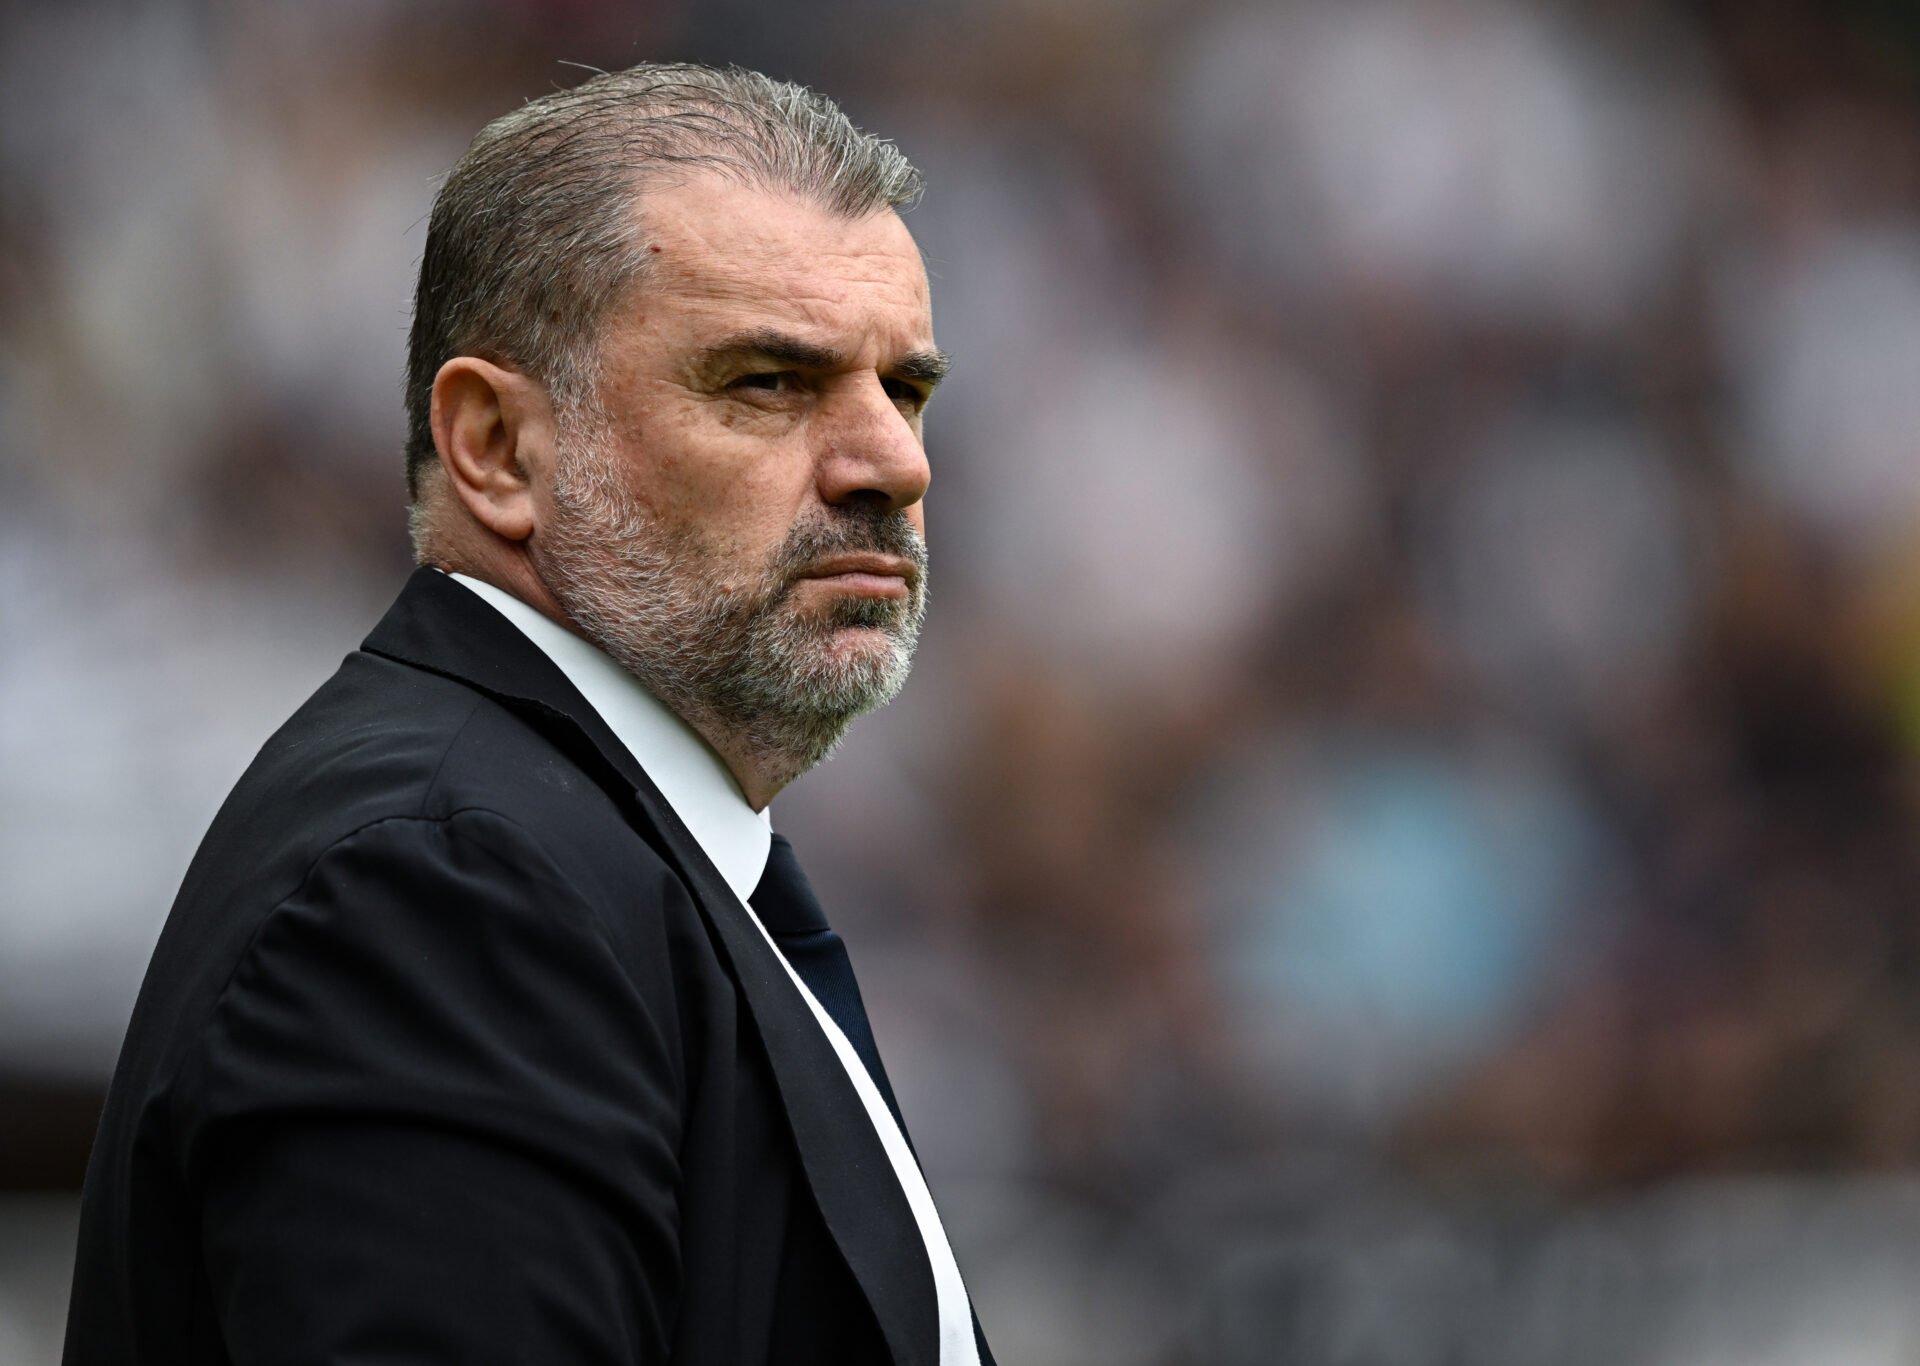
861 667
880 649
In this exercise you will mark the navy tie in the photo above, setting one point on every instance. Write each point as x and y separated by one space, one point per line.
798 926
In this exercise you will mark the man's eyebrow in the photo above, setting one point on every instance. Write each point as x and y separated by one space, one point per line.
925 367
928 367
778 346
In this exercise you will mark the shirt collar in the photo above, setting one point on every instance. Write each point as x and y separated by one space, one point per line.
688 773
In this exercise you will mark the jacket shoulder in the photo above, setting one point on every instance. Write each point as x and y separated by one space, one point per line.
383 739
385 744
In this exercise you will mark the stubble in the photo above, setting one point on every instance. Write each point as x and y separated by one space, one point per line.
725 645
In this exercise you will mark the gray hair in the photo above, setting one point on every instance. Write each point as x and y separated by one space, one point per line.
534 234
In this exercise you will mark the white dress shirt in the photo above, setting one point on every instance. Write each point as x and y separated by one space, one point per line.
702 792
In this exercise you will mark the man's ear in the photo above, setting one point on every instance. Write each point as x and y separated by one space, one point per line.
493 429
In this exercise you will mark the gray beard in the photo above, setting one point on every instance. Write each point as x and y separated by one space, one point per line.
729 660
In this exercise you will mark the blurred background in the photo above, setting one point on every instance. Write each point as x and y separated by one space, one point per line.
1400 846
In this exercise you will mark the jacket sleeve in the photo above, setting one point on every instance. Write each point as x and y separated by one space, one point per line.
434 1119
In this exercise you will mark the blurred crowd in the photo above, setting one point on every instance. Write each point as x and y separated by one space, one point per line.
1422 703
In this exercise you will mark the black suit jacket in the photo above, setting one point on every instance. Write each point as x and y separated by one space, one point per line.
457 1049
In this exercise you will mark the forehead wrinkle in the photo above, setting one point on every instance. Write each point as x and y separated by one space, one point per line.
838 282
735 303
698 238
772 273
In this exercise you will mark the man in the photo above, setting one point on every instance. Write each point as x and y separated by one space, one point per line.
492 1023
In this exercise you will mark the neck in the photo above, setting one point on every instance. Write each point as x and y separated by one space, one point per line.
764 751
759 782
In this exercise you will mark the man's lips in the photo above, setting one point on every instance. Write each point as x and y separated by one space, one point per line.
866 573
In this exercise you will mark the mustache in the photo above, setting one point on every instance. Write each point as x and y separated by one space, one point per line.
853 530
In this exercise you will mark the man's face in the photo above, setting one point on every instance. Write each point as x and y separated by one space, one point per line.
739 524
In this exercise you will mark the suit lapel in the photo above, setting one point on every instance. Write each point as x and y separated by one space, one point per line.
440 626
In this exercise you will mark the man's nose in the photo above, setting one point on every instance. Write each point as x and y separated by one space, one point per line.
872 452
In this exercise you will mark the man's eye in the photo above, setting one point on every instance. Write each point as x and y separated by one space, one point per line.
904 393
772 382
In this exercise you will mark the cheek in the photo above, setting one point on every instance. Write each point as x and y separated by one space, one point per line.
694 475
742 514
729 488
